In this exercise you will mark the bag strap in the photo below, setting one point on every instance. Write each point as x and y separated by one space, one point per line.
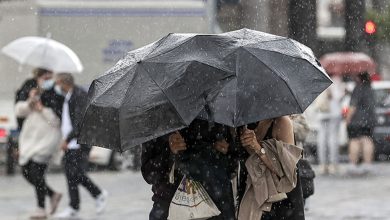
172 174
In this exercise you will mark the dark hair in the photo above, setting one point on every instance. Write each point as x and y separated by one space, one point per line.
38 72
365 78
66 78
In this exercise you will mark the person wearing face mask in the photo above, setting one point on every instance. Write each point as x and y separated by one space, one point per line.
203 151
76 155
22 94
39 138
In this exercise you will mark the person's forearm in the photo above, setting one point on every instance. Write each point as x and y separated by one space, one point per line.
267 162
263 157
350 114
22 108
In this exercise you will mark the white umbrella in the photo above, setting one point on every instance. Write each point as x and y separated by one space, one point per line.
45 53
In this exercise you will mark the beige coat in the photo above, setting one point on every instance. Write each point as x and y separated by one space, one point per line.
265 187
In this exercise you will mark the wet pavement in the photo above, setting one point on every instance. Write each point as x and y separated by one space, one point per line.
336 197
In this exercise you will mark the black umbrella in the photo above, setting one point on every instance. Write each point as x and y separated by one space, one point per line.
233 78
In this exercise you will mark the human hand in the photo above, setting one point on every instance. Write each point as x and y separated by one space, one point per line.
248 139
37 106
222 146
33 93
64 145
177 143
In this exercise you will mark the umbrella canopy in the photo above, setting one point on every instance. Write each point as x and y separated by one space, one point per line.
234 78
45 53
344 63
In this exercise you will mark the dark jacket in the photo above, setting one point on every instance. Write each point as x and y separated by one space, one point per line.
51 99
22 95
156 162
363 99
200 162
77 105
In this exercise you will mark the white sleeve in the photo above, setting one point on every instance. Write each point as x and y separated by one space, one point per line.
22 109
51 117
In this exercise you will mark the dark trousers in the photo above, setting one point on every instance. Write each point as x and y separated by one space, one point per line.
160 210
35 174
291 208
76 162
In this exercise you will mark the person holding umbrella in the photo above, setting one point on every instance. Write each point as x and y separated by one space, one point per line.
232 79
76 155
39 138
204 151
22 94
289 207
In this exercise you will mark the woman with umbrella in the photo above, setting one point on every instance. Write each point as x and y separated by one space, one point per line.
42 108
241 77
280 129
39 138
204 152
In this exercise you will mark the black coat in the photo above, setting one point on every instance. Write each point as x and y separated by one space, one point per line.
49 98
77 105
200 161
22 95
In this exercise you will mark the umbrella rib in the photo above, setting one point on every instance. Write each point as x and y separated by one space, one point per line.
28 56
198 61
108 87
163 92
282 76
185 41
272 51
161 41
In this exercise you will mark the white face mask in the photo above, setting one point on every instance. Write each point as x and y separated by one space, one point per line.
47 84
59 91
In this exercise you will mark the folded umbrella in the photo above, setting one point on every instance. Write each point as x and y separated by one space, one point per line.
45 53
233 78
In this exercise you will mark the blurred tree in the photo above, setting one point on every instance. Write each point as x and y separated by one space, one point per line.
303 21
354 24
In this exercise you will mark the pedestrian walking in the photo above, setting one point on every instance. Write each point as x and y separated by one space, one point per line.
76 155
39 138
202 151
329 106
22 94
361 121
282 205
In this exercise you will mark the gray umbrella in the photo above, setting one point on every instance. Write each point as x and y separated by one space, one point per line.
234 78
